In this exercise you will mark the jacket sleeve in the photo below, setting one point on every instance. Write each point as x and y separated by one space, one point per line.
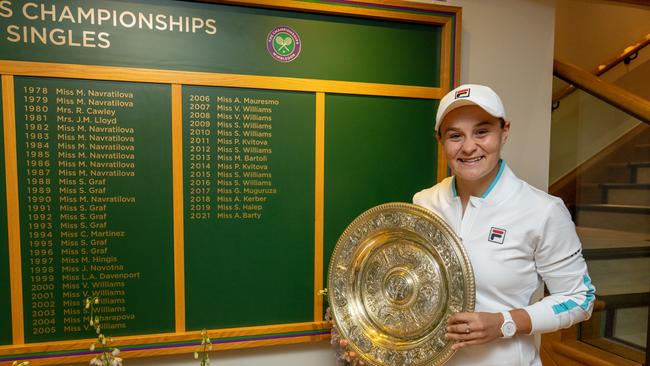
559 261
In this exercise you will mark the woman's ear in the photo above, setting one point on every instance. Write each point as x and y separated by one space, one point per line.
506 132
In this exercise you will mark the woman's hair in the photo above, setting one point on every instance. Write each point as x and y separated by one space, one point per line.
503 125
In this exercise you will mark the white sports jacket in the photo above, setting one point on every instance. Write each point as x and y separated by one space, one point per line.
516 236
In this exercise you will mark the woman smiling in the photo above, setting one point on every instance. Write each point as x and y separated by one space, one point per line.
517 237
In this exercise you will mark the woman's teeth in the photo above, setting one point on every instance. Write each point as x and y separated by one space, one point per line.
472 160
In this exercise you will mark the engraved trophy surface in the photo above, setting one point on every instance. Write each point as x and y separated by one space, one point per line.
396 274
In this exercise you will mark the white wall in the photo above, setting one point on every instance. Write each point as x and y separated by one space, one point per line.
507 44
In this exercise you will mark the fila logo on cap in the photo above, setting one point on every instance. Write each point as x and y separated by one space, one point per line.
497 235
463 93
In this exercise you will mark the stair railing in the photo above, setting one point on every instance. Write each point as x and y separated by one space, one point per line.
628 54
608 92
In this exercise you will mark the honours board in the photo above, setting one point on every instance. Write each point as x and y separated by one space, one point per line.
192 164
248 159
95 198
5 294
382 150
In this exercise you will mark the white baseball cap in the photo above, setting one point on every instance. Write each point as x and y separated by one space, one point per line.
469 94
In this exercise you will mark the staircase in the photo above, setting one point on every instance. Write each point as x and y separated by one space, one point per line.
612 215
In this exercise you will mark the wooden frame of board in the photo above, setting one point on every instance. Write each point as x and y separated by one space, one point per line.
183 341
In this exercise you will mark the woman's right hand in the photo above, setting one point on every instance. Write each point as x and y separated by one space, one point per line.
350 357
344 355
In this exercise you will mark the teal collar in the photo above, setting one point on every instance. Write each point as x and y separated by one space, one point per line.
454 193
502 166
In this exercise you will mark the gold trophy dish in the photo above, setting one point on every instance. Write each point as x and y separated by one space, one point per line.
396 274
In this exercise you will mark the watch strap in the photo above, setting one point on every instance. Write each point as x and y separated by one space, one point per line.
507 318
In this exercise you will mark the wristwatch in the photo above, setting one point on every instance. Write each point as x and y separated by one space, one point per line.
508 328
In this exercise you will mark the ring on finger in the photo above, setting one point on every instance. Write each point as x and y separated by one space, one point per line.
468 330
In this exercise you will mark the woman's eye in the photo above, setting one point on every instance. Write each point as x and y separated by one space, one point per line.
454 136
481 132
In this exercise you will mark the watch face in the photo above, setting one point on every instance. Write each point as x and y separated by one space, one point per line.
509 328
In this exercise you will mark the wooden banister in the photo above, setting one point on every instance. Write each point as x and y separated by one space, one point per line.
589 355
604 90
633 2
603 68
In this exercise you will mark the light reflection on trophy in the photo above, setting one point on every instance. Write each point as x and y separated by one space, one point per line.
396 274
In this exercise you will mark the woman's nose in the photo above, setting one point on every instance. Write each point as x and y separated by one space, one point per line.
469 146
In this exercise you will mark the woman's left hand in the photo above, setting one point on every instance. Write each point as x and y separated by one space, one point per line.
468 329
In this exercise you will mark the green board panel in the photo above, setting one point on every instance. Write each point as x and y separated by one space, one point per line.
95 197
248 165
377 150
226 39
5 291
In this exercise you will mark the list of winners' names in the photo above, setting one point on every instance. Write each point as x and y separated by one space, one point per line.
74 150
230 154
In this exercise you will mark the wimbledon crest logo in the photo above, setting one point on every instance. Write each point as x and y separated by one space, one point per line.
283 43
